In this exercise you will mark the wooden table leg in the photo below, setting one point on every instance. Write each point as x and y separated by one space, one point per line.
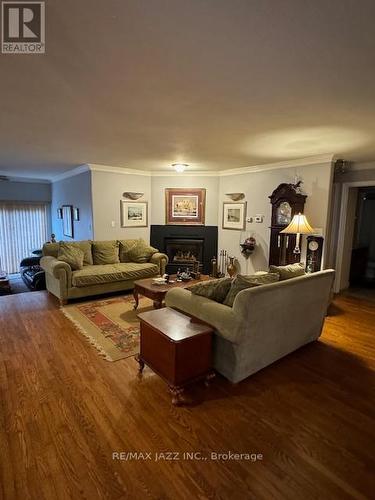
176 395
208 379
158 304
140 362
136 298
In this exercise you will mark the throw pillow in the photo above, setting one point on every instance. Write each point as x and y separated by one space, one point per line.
289 271
71 254
242 282
125 246
213 289
85 246
141 252
105 252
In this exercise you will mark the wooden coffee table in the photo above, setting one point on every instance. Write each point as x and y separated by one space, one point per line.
157 293
177 348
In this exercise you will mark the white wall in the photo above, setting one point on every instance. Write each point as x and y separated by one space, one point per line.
76 191
257 186
107 190
25 191
159 184
108 187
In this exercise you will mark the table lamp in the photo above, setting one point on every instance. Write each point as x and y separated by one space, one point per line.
299 225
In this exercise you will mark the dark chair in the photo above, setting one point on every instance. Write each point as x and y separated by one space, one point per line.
32 274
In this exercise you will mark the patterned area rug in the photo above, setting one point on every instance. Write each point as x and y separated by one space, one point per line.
111 325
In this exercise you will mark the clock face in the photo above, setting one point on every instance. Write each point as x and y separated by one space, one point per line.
313 246
284 213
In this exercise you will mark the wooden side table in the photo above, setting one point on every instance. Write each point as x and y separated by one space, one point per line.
177 349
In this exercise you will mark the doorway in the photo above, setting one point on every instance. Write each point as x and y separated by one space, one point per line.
349 211
362 265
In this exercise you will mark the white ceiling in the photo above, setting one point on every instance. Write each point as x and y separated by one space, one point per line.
218 84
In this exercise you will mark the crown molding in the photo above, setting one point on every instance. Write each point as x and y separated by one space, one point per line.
190 173
365 165
118 170
70 173
94 167
299 162
150 173
22 178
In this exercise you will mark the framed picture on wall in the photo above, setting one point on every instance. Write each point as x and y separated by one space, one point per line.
185 206
134 213
76 214
234 216
67 211
59 213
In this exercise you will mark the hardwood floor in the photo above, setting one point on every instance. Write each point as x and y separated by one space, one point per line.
64 411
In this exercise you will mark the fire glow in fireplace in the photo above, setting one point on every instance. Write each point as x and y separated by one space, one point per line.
183 244
183 252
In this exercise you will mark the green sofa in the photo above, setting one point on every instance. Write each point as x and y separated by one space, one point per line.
94 279
265 323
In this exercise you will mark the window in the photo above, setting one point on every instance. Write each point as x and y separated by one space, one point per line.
23 228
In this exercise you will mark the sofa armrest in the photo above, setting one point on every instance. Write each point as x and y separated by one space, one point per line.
58 277
219 316
54 267
161 260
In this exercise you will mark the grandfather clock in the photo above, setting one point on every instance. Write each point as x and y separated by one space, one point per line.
286 201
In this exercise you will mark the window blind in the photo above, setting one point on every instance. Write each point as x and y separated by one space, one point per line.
23 228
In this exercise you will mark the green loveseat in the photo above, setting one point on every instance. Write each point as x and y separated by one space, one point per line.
95 279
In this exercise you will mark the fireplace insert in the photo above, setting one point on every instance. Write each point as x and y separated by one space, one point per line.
183 252
193 242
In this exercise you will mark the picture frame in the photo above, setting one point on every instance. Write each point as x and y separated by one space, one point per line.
59 213
234 216
76 214
185 206
134 213
67 211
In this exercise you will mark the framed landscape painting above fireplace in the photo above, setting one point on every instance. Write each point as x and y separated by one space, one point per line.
185 206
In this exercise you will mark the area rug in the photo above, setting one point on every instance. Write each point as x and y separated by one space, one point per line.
111 325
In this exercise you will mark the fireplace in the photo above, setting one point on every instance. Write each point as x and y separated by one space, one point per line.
185 244
183 252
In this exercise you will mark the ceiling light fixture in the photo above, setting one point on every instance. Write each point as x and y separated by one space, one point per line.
179 167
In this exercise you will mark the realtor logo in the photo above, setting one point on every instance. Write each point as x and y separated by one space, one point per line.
23 28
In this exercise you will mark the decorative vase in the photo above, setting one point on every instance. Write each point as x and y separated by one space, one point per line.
231 268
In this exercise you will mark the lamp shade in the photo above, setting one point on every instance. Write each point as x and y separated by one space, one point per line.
298 225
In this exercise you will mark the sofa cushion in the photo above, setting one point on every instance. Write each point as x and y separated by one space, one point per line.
108 273
215 290
242 282
141 251
125 246
52 250
71 255
105 252
289 271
